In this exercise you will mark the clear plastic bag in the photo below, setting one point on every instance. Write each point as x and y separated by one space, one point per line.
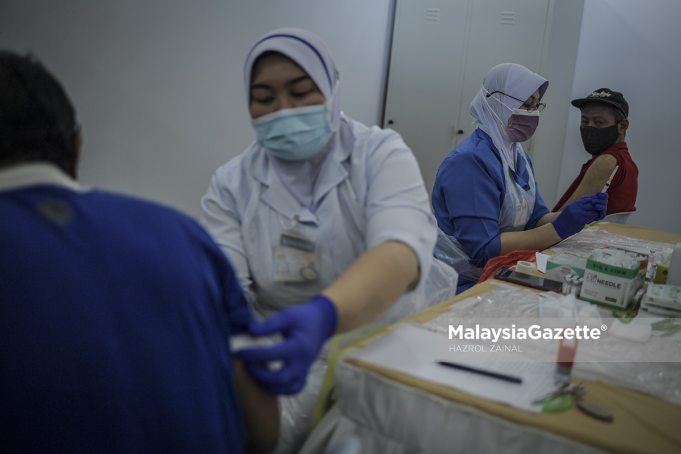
296 411
449 251
439 285
634 364
582 245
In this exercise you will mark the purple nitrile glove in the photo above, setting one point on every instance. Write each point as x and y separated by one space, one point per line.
575 216
305 329
600 202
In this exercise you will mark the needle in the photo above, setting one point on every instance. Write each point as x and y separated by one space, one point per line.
607 183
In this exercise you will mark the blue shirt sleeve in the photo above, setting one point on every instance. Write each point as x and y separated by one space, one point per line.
238 311
540 208
467 197
234 300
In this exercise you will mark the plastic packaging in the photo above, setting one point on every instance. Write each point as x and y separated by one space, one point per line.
449 251
582 245
557 311
560 265
674 273
300 413
633 364
438 286
567 349
661 299
525 267
638 330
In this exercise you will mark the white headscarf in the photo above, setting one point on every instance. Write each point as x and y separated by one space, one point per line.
310 53
307 50
491 115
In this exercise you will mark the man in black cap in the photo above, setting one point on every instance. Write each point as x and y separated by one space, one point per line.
603 128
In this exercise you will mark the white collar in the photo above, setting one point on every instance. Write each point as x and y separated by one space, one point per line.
36 173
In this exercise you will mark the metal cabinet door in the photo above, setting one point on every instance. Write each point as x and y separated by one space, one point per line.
425 78
502 31
440 52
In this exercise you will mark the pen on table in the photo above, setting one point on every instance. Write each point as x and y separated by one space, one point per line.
612 175
486 373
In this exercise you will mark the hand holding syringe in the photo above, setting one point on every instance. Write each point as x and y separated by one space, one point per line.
607 183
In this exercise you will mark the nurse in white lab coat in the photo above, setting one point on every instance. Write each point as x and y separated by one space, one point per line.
325 220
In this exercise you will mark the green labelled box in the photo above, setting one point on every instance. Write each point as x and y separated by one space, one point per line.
609 284
560 265
667 296
612 270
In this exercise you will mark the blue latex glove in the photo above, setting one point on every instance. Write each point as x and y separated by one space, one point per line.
305 328
575 216
600 202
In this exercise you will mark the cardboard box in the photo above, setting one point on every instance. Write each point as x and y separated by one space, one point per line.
560 265
610 284
643 259
666 296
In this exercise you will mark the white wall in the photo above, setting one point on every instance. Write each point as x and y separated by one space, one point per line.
633 46
158 85
558 60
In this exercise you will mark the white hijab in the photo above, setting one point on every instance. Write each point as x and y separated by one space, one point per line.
307 50
491 115
310 53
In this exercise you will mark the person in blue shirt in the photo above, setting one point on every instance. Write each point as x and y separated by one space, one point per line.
485 197
115 313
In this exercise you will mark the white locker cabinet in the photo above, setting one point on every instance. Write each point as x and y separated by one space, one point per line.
441 50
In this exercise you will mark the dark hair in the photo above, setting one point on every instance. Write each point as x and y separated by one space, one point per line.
270 53
37 120
619 116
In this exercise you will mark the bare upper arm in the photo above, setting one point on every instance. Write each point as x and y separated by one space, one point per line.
595 177
260 411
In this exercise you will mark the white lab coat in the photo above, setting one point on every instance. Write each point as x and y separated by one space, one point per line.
369 191
365 189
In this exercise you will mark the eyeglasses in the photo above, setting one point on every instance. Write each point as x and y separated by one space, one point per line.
537 108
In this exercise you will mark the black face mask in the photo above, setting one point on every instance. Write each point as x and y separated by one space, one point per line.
596 140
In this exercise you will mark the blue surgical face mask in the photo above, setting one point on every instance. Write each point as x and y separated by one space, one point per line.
294 134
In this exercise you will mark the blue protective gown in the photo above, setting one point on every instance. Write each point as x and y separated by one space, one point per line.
470 203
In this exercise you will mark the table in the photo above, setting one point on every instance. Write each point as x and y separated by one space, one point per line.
397 413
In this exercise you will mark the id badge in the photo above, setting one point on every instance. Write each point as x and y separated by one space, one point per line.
296 259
